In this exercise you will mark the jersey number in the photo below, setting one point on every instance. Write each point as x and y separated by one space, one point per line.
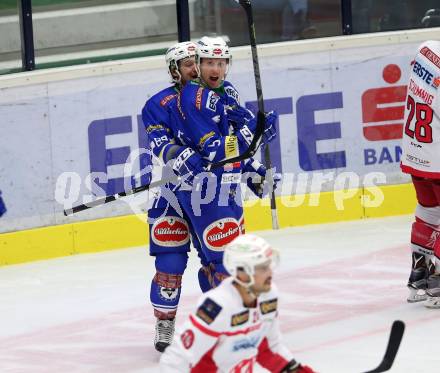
420 128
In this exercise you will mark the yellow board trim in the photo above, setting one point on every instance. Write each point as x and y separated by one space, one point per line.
132 230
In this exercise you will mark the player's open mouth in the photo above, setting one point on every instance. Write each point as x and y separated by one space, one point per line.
214 79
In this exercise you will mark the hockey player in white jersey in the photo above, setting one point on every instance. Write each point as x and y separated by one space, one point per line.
235 325
421 159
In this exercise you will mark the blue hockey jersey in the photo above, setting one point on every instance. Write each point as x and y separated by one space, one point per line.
155 116
200 117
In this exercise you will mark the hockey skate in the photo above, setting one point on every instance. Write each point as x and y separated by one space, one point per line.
417 279
164 334
433 291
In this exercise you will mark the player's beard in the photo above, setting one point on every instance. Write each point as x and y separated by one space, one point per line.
264 288
268 284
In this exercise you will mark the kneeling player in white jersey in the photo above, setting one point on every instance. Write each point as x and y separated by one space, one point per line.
421 159
236 324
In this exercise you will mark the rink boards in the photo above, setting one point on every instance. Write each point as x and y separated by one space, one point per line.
131 230
340 102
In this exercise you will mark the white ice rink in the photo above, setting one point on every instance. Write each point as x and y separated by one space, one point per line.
341 286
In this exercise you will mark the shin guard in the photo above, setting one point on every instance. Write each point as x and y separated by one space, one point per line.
165 294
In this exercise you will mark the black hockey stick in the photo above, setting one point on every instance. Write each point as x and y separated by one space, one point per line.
107 199
253 147
396 335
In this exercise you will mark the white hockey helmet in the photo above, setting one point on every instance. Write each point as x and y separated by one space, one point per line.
213 47
245 253
176 53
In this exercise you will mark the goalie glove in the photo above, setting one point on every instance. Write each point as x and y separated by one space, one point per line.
187 164
294 367
255 175
245 123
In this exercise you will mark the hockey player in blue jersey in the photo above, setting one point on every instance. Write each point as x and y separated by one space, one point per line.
170 230
208 118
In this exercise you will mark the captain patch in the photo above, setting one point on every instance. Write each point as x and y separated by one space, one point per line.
208 310
240 318
268 306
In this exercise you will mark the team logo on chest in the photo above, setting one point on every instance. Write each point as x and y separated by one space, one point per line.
170 231
220 233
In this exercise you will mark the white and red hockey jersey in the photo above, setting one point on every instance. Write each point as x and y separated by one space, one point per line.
225 336
421 136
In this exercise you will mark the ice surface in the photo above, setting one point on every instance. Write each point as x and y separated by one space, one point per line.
341 284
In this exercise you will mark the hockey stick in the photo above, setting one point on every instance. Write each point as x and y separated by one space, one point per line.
251 150
396 335
107 199
253 146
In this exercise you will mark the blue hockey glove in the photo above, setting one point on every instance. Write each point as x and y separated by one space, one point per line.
270 131
239 116
244 122
255 174
187 164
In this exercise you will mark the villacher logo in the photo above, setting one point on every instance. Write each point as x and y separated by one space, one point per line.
220 233
170 231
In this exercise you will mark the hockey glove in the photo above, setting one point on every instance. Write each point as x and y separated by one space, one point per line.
187 164
294 367
239 116
244 122
270 131
255 174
